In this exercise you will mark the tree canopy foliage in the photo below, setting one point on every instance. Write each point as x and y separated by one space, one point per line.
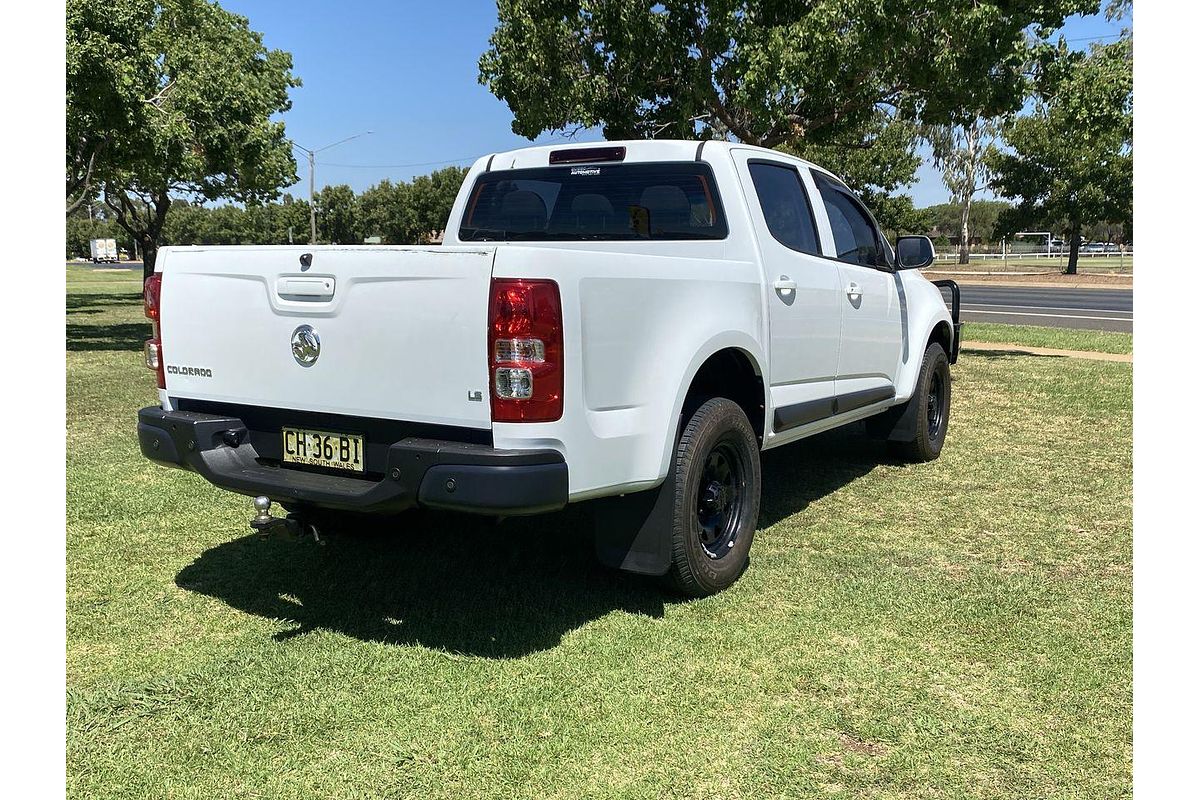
766 71
411 212
172 97
945 219
107 81
1070 161
399 213
877 162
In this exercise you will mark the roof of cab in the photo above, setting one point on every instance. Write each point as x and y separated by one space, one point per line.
635 150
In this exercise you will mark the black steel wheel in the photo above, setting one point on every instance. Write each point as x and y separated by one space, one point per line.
717 490
935 405
720 500
932 414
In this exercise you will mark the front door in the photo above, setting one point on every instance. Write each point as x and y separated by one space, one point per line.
802 294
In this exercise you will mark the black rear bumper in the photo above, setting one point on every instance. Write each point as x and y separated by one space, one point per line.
428 472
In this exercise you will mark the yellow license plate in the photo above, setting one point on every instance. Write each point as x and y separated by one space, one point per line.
323 449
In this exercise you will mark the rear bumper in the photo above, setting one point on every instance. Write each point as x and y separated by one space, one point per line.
426 472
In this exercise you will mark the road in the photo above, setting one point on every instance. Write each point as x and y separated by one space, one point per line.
1099 309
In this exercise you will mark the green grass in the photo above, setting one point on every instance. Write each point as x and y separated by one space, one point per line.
950 630
1060 338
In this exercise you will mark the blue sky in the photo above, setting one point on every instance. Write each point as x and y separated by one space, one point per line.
407 71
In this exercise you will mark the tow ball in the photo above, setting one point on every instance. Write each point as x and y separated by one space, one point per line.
293 526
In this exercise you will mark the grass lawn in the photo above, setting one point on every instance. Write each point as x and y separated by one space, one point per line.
1060 338
951 630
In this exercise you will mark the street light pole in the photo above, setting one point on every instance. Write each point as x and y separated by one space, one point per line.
312 180
312 209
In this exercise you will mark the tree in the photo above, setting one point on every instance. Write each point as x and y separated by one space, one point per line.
431 197
875 163
768 71
107 85
293 220
1071 159
410 213
946 218
958 151
197 110
387 213
339 216
898 216
81 229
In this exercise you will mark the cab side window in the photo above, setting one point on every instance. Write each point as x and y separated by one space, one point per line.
854 233
784 204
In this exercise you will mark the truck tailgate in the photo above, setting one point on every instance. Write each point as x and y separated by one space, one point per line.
402 330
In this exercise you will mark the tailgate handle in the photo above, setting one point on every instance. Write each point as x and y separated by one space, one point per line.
309 288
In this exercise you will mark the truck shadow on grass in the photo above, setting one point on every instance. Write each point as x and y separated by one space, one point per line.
470 586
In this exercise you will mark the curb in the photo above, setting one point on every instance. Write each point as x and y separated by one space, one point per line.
1016 349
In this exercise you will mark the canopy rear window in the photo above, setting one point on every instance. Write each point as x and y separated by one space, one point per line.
669 200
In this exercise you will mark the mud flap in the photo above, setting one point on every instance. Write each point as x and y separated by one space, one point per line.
897 424
633 532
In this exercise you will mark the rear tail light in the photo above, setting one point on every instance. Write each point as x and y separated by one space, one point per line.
152 295
525 347
151 298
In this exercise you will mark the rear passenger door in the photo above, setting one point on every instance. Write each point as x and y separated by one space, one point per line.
871 311
802 292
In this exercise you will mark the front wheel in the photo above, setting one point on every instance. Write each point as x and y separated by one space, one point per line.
717 479
932 408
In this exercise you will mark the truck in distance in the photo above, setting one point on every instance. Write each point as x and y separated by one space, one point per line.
103 251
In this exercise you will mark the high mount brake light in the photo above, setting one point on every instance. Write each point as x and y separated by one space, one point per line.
582 155
151 298
525 350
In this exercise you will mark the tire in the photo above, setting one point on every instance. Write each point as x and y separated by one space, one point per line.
932 414
718 481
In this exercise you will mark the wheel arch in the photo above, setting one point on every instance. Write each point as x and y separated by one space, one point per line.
928 321
729 365
943 335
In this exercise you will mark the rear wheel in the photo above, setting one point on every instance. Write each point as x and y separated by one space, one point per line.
717 479
932 412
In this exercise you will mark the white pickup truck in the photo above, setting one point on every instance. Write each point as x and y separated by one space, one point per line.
628 323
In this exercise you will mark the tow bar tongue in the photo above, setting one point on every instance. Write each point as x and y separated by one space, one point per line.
293 526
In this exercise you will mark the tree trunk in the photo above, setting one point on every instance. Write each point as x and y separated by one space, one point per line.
964 232
1073 258
149 255
142 221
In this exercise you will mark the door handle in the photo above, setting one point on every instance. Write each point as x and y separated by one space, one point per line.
785 284
853 290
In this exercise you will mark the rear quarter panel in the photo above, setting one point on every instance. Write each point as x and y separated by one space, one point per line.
637 327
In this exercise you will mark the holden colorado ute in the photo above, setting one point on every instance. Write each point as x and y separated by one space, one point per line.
629 324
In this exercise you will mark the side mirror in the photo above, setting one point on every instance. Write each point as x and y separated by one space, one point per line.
914 252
